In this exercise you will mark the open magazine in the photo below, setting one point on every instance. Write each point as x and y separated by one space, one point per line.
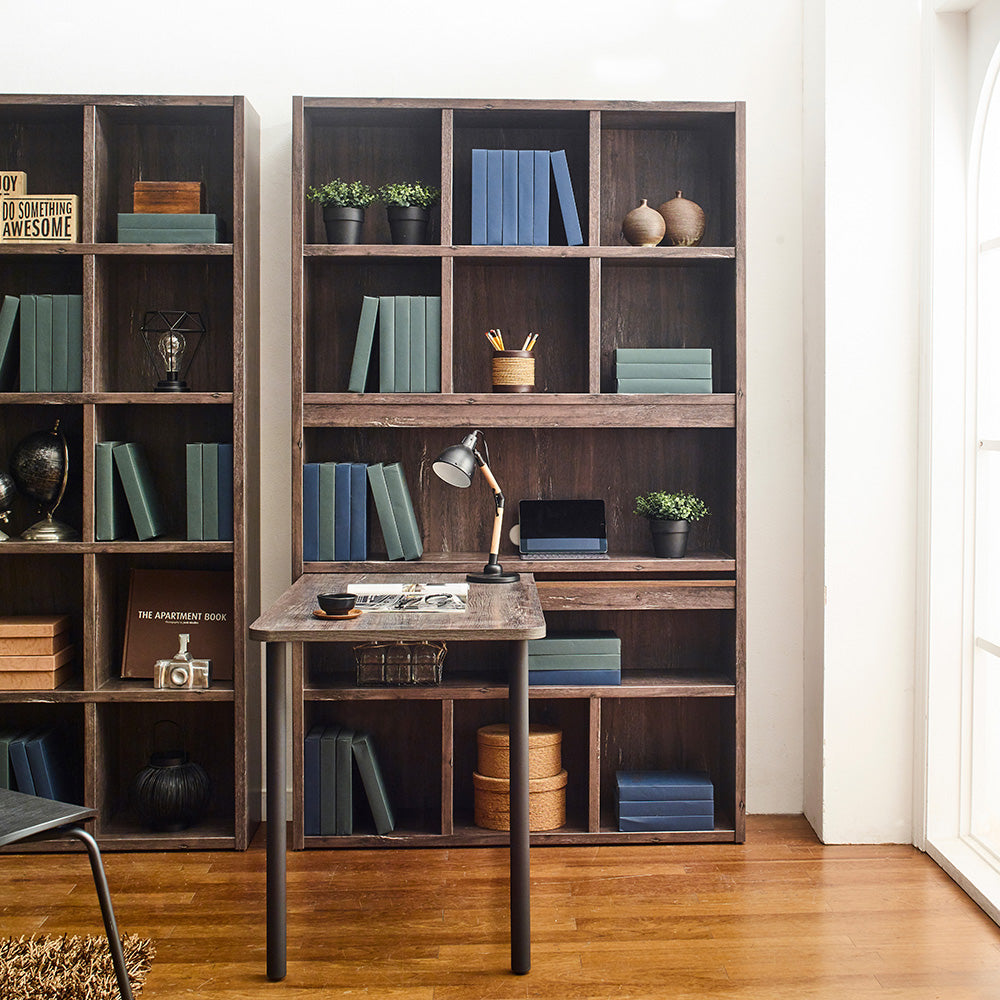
410 596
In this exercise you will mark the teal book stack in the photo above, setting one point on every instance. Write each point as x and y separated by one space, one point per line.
167 227
51 343
575 658
383 509
111 513
209 482
402 511
663 369
409 338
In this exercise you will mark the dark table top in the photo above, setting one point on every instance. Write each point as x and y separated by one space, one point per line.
23 816
495 611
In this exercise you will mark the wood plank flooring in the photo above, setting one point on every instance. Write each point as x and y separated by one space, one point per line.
779 917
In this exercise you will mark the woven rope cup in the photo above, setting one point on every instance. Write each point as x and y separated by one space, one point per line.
513 371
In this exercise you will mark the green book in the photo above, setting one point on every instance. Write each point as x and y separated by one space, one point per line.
327 509
345 797
418 344
43 343
560 643
8 342
373 783
27 343
328 781
363 345
167 220
195 498
402 511
386 344
140 491
74 320
670 385
432 353
663 355
167 236
110 505
210 491
656 370
401 356
60 343
383 507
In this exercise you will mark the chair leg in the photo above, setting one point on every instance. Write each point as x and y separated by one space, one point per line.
104 896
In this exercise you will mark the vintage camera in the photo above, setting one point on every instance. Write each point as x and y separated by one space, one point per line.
183 671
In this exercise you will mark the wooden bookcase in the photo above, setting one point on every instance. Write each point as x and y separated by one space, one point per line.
96 148
681 621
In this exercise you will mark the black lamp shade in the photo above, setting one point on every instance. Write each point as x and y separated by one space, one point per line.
456 466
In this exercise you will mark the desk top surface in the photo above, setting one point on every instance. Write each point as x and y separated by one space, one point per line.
495 611
23 816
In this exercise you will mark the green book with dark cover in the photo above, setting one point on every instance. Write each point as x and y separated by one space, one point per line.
418 343
663 355
401 356
402 511
373 783
383 508
74 320
8 342
363 345
43 343
210 491
345 795
624 369
328 781
432 354
60 343
111 515
327 510
671 385
195 498
581 643
386 344
27 343
140 491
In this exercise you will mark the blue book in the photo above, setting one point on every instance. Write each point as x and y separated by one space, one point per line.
373 783
494 197
310 781
345 796
432 355
8 342
210 491
383 507
478 197
525 197
140 491
386 344
401 326
45 760
327 510
567 203
418 343
358 545
310 512
328 781
19 765
225 492
43 343
639 786
540 194
663 355
592 678
27 383
342 513
509 198
363 345
74 319
586 643
402 511
665 824
666 807
60 343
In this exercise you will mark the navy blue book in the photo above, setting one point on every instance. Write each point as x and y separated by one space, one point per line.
665 824
646 785
45 760
225 492
328 781
342 513
310 512
525 197
478 197
310 781
567 203
345 795
19 766
666 807
359 512
494 199
562 678
371 780
509 214
540 194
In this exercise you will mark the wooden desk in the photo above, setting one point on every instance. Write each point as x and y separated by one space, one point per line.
500 612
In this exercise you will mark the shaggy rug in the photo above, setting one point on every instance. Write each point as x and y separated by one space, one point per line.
69 968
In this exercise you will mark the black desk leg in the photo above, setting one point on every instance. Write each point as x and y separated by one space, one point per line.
276 833
520 873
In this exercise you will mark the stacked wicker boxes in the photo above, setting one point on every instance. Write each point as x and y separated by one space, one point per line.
546 778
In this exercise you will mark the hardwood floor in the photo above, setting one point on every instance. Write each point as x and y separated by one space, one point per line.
781 916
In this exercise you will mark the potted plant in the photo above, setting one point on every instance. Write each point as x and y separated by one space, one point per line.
344 204
669 515
408 205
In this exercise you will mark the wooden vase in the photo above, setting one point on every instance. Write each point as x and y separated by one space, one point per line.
643 227
685 221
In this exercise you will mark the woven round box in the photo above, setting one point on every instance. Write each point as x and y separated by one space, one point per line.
544 751
546 802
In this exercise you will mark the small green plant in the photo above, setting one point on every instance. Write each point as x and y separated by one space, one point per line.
408 195
344 194
680 506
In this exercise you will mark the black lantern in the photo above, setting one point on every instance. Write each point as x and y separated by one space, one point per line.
172 338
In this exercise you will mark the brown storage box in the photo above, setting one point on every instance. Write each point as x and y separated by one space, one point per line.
169 197
544 751
546 802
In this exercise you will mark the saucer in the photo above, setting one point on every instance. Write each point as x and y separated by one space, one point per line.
353 613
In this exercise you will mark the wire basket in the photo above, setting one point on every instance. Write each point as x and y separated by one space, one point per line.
399 663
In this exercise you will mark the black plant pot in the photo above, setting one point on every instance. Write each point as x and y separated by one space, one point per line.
408 225
343 225
669 538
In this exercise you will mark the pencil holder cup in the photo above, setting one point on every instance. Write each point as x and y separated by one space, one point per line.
513 371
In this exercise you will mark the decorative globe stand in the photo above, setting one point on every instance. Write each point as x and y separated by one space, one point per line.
40 467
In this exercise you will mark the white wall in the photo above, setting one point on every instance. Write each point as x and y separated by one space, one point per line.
633 49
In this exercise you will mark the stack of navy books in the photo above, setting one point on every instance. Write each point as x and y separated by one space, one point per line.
585 658
664 800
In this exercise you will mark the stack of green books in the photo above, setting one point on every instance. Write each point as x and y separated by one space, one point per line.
663 369
51 353
395 511
123 486
167 227
209 491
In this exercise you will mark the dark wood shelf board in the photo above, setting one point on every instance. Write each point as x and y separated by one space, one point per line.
14 547
636 595
506 253
118 249
116 398
121 689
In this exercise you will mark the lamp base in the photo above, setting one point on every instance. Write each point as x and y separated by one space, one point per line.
171 385
493 573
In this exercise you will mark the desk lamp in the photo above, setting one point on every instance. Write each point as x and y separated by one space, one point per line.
456 466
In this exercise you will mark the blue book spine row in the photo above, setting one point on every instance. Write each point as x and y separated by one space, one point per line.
334 512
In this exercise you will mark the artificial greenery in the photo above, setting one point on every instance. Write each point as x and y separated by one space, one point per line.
680 506
344 194
411 194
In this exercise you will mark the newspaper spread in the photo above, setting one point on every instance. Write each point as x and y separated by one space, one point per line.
410 596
